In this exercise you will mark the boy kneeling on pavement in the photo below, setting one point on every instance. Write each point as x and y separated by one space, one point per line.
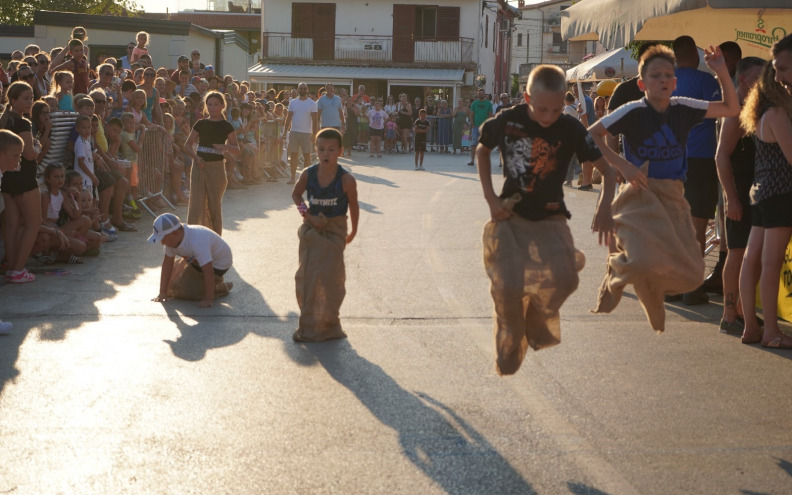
203 252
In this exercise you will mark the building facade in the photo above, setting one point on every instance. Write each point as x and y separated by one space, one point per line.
437 47
537 39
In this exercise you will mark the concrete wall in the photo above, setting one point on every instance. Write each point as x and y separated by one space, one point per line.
235 60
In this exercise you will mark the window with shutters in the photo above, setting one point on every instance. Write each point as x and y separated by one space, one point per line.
486 31
519 39
426 23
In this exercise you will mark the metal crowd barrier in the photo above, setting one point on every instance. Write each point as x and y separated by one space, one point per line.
62 124
152 166
441 131
269 150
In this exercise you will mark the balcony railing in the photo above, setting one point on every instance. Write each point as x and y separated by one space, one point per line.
368 48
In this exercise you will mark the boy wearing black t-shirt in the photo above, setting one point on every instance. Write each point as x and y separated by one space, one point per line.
657 249
528 249
420 128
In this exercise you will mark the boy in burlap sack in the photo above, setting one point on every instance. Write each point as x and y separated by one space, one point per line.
205 258
320 278
529 254
656 246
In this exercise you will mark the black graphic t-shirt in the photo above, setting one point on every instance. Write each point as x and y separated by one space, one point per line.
536 158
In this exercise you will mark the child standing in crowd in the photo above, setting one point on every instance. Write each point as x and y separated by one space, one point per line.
22 216
466 138
137 106
201 250
377 117
11 147
529 253
62 90
391 128
77 65
657 248
320 278
131 135
420 128
83 153
142 46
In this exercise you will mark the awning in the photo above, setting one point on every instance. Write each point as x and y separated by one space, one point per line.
344 75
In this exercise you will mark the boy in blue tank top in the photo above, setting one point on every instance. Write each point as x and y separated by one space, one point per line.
320 278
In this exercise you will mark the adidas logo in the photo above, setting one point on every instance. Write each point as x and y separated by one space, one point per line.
662 145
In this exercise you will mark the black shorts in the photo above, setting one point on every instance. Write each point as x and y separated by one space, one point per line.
775 211
19 182
376 132
737 232
217 272
701 187
106 180
420 144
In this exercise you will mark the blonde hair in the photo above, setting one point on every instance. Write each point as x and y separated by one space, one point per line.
765 94
546 77
57 81
140 92
148 38
655 52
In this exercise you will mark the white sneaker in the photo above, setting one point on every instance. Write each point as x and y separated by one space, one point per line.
5 327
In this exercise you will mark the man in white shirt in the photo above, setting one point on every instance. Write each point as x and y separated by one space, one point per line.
303 122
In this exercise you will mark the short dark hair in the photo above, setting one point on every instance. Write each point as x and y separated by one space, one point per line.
748 63
8 139
781 45
331 133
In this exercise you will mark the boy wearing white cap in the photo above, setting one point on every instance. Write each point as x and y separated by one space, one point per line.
202 249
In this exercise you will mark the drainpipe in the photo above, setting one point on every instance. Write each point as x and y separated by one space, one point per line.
218 52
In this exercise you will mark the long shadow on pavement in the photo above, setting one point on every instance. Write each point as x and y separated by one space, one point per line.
218 327
434 438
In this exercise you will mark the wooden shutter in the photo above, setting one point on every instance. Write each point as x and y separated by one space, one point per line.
323 31
403 35
447 23
302 20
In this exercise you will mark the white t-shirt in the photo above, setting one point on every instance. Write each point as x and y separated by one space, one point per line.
82 149
301 114
377 119
202 245
572 110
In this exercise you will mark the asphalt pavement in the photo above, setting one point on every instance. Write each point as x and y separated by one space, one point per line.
103 391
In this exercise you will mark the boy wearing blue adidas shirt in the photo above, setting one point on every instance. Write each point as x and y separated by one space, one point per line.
658 252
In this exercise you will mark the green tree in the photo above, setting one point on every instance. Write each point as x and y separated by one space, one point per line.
515 84
20 13
633 46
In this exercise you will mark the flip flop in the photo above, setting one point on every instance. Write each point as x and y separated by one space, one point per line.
45 259
777 343
125 227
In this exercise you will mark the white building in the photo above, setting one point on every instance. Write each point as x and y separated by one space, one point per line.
420 48
537 39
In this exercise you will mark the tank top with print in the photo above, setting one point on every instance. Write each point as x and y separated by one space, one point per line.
772 172
330 200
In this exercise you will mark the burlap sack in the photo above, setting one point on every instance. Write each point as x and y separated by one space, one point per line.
320 280
533 268
657 249
188 283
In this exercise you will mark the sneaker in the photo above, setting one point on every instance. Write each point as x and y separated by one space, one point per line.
108 228
5 327
421 168
20 277
416 167
736 327
470 164
695 298
585 187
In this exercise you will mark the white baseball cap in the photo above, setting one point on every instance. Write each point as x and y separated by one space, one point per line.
164 225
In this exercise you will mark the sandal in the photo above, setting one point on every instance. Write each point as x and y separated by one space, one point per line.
74 260
777 343
125 227
44 259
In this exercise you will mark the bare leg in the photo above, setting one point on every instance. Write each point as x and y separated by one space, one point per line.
731 284
749 276
293 159
775 243
29 205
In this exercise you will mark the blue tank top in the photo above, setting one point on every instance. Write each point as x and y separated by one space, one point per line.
149 107
330 200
